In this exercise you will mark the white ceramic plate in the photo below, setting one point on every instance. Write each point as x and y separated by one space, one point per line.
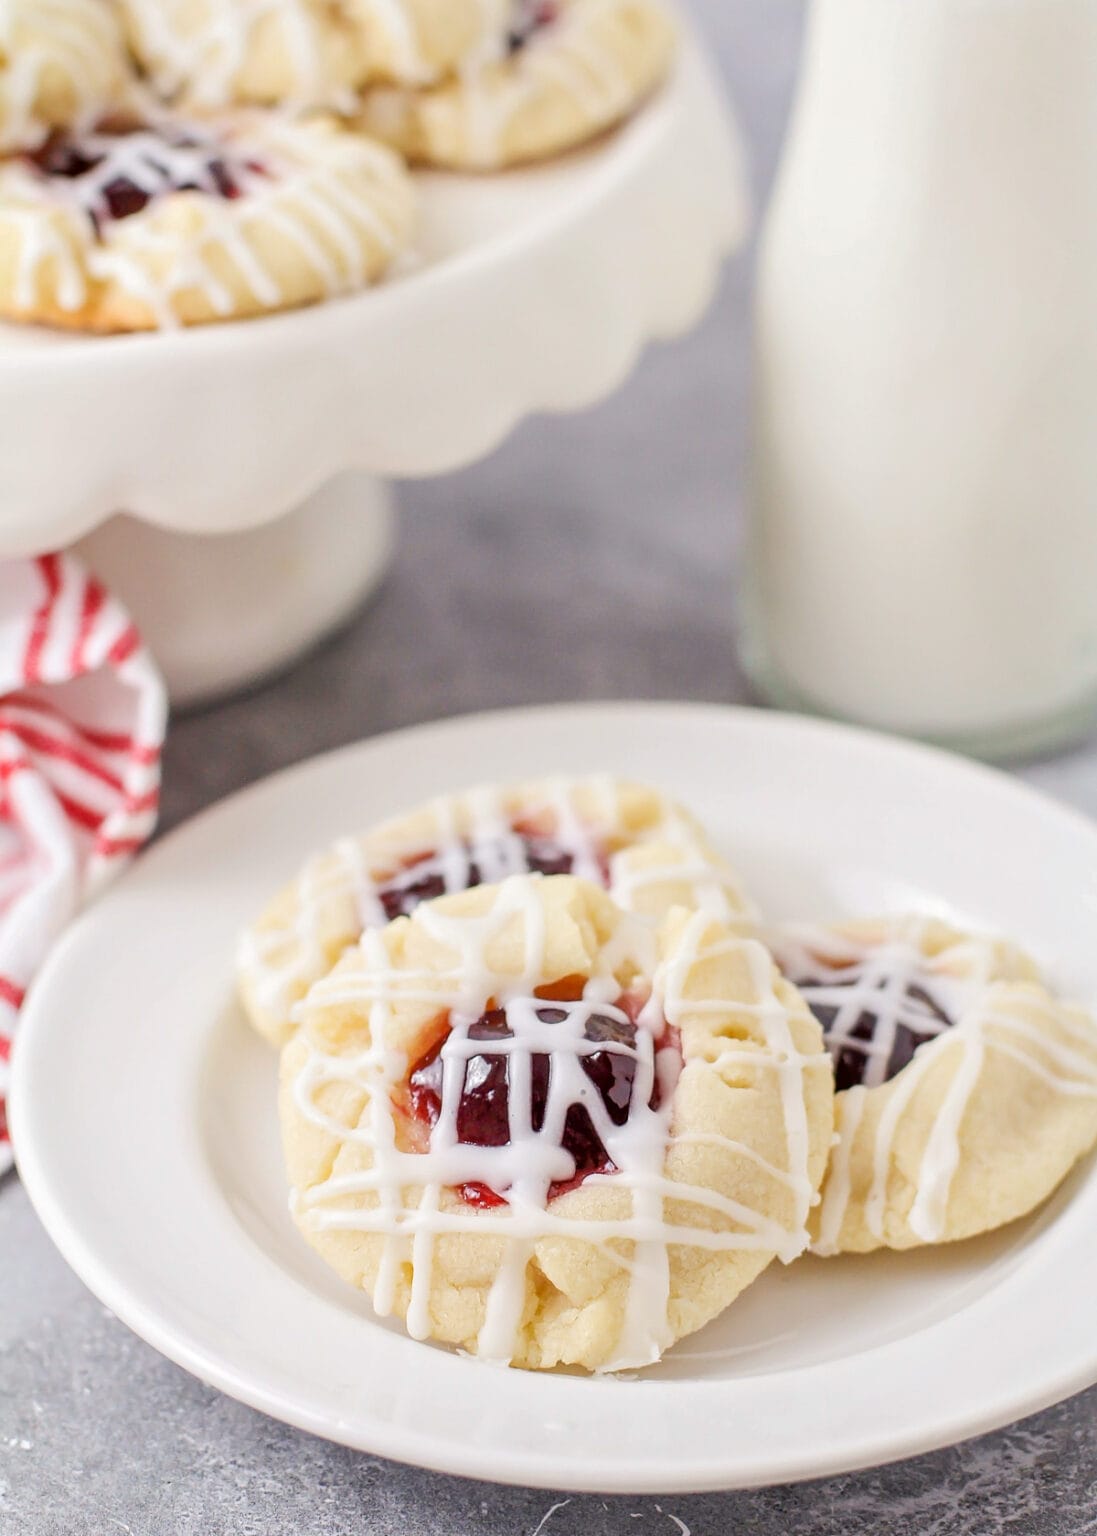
145 1124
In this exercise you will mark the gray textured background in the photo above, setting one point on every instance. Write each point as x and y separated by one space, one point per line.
592 557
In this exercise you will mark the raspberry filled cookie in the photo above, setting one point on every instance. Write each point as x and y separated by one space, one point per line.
63 64
221 53
966 1091
647 850
307 53
528 1128
419 42
572 69
132 227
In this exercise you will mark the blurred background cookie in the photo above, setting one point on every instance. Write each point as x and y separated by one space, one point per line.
63 63
178 223
419 42
573 68
217 53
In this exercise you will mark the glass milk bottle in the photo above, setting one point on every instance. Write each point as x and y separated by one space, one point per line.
922 549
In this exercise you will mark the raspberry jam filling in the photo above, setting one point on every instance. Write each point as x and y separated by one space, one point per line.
466 864
874 1020
116 173
602 1041
529 17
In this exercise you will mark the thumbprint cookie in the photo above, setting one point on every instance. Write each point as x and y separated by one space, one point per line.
648 851
966 1091
63 64
571 70
419 42
307 53
211 54
528 1126
134 226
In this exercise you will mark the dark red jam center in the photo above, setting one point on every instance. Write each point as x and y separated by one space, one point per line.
528 17
425 877
913 1017
483 1110
120 195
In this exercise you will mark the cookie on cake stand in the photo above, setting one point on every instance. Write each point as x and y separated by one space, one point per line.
279 434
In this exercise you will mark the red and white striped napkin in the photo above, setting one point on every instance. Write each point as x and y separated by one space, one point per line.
82 718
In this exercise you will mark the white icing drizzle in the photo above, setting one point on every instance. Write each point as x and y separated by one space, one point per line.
405 1190
280 962
155 162
772 1014
966 981
877 980
941 1157
78 39
281 187
896 1107
849 1108
43 245
564 54
393 20
204 62
575 835
315 887
397 39
711 890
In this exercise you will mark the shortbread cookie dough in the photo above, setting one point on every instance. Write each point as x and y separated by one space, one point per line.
419 42
63 64
576 68
308 53
519 1129
647 850
130 228
221 53
967 1092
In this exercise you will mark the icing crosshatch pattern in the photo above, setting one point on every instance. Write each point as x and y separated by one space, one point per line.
458 1102
165 165
639 844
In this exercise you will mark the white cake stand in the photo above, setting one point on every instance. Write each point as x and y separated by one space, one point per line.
532 291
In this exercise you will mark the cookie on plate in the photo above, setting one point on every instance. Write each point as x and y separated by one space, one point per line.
647 850
574 68
220 53
967 1092
63 64
518 1127
131 227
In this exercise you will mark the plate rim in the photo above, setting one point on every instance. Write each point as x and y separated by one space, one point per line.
436 1452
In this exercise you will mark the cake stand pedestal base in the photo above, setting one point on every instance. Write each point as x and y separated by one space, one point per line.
222 612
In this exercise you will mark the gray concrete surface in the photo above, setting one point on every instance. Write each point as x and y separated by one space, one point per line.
592 557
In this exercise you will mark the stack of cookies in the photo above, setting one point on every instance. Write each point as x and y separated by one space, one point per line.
174 162
551 1092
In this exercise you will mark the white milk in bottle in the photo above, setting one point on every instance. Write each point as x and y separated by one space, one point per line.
923 543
